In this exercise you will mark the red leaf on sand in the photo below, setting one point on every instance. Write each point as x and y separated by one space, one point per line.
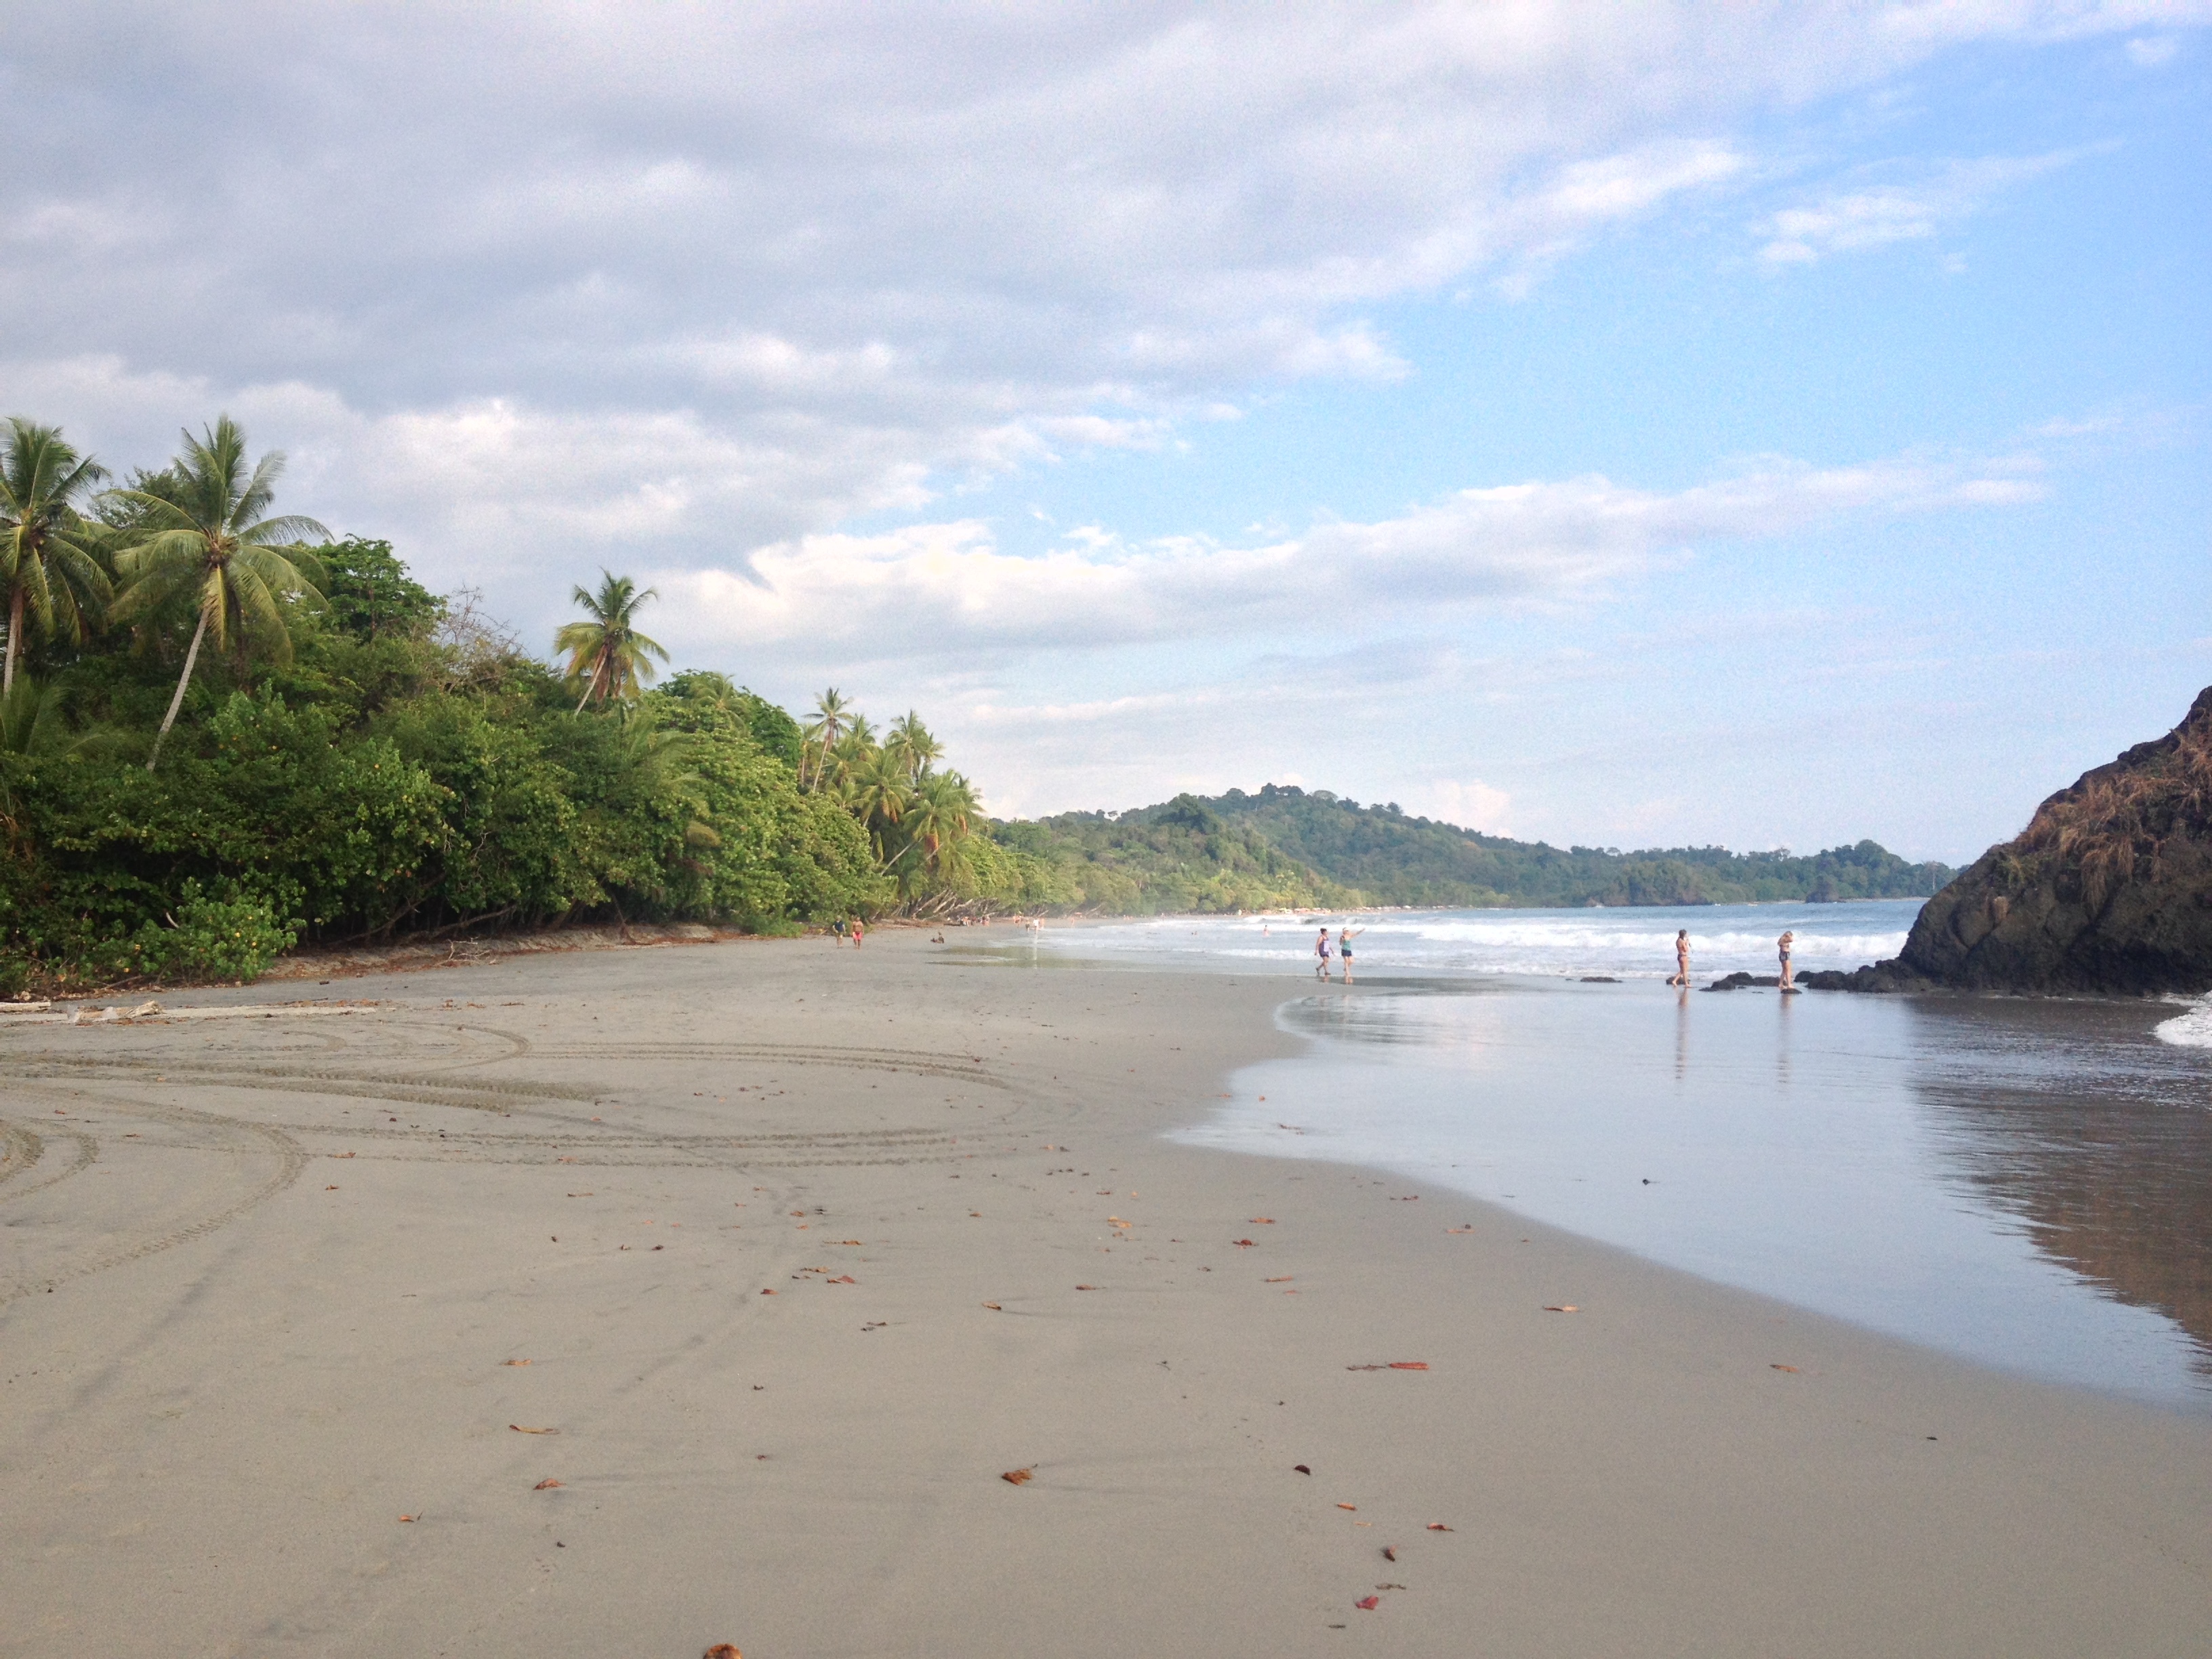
768 1292
1261 1221
841 1278
1016 1477
545 1486
1439 1526
1086 1287
1301 1468
1409 1365
1353 1507
1368 1603
1792 1368
1242 1243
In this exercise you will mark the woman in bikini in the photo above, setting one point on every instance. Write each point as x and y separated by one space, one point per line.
1784 943
1681 976
1344 938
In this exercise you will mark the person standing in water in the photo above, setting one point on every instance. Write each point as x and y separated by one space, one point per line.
1681 959
1784 943
1321 953
1344 938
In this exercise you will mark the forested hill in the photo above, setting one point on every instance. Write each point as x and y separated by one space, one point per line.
1386 857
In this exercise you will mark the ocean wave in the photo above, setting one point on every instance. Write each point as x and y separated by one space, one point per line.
1566 936
2191 1031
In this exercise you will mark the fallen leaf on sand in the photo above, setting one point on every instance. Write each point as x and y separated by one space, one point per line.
1242 1243
848 1241
514 1362
341 1154
841 1278
1368 1603
1285 1279
545 1486
1389 1587
330 1189
1086 1287
1439 1526
1561 1307
768 1292
722 1650
1301 1468
1459 1230
1352 1507
1785 1368
1393 1365
406 1517
1016 1477
1389 1551
519 1429
1260 1221
994 1307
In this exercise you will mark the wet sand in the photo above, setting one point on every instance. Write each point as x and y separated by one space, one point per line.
264 1279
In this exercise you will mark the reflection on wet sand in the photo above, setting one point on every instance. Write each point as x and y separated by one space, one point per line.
2073 1119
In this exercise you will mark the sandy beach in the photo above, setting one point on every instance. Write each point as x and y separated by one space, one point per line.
625 1303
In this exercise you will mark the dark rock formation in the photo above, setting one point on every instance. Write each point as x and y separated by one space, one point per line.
2108 889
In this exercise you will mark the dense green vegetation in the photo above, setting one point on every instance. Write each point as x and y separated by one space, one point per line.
218 740
1185 853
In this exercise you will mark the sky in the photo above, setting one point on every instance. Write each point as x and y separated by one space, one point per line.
1637 424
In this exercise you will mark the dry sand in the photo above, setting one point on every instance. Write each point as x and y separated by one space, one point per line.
265 1280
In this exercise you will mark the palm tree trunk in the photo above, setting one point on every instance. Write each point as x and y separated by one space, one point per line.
178 701
14 637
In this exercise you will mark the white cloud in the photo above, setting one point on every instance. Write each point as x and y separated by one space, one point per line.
1473 805
2152 51
940 589
1876 216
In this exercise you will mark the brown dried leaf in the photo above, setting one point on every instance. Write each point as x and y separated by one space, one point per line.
1242 1244
407 1517
1389 1551
519 1429
1016 1477
994 1307
1792 1368
1354 1508
1439 1526
1285 1279
1260 1221
545 1486
841 1278
1409 1365
1561 1307
514 1362
1301 1468
1086 1287
723 1650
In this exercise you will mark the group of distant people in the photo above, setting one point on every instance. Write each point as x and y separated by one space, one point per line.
1681 974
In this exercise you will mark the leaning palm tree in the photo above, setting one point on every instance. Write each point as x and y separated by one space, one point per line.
46 563
940 817
879 792
831 718
206 539
605 651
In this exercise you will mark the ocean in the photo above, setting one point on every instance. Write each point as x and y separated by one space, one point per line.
2025 1183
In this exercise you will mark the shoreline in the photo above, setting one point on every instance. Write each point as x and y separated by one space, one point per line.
280 1319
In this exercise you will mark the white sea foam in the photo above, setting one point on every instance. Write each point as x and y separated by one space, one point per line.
2191 1031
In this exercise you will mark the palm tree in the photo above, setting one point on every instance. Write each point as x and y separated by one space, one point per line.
605 651
822 733
943 808
910 741
211 543
879 792
46 563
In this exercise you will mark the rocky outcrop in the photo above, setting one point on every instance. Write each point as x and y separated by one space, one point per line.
2108 889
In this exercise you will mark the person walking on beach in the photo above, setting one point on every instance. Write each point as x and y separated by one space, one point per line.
1344 938
859 931
1787 939
1681 958
1321 953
